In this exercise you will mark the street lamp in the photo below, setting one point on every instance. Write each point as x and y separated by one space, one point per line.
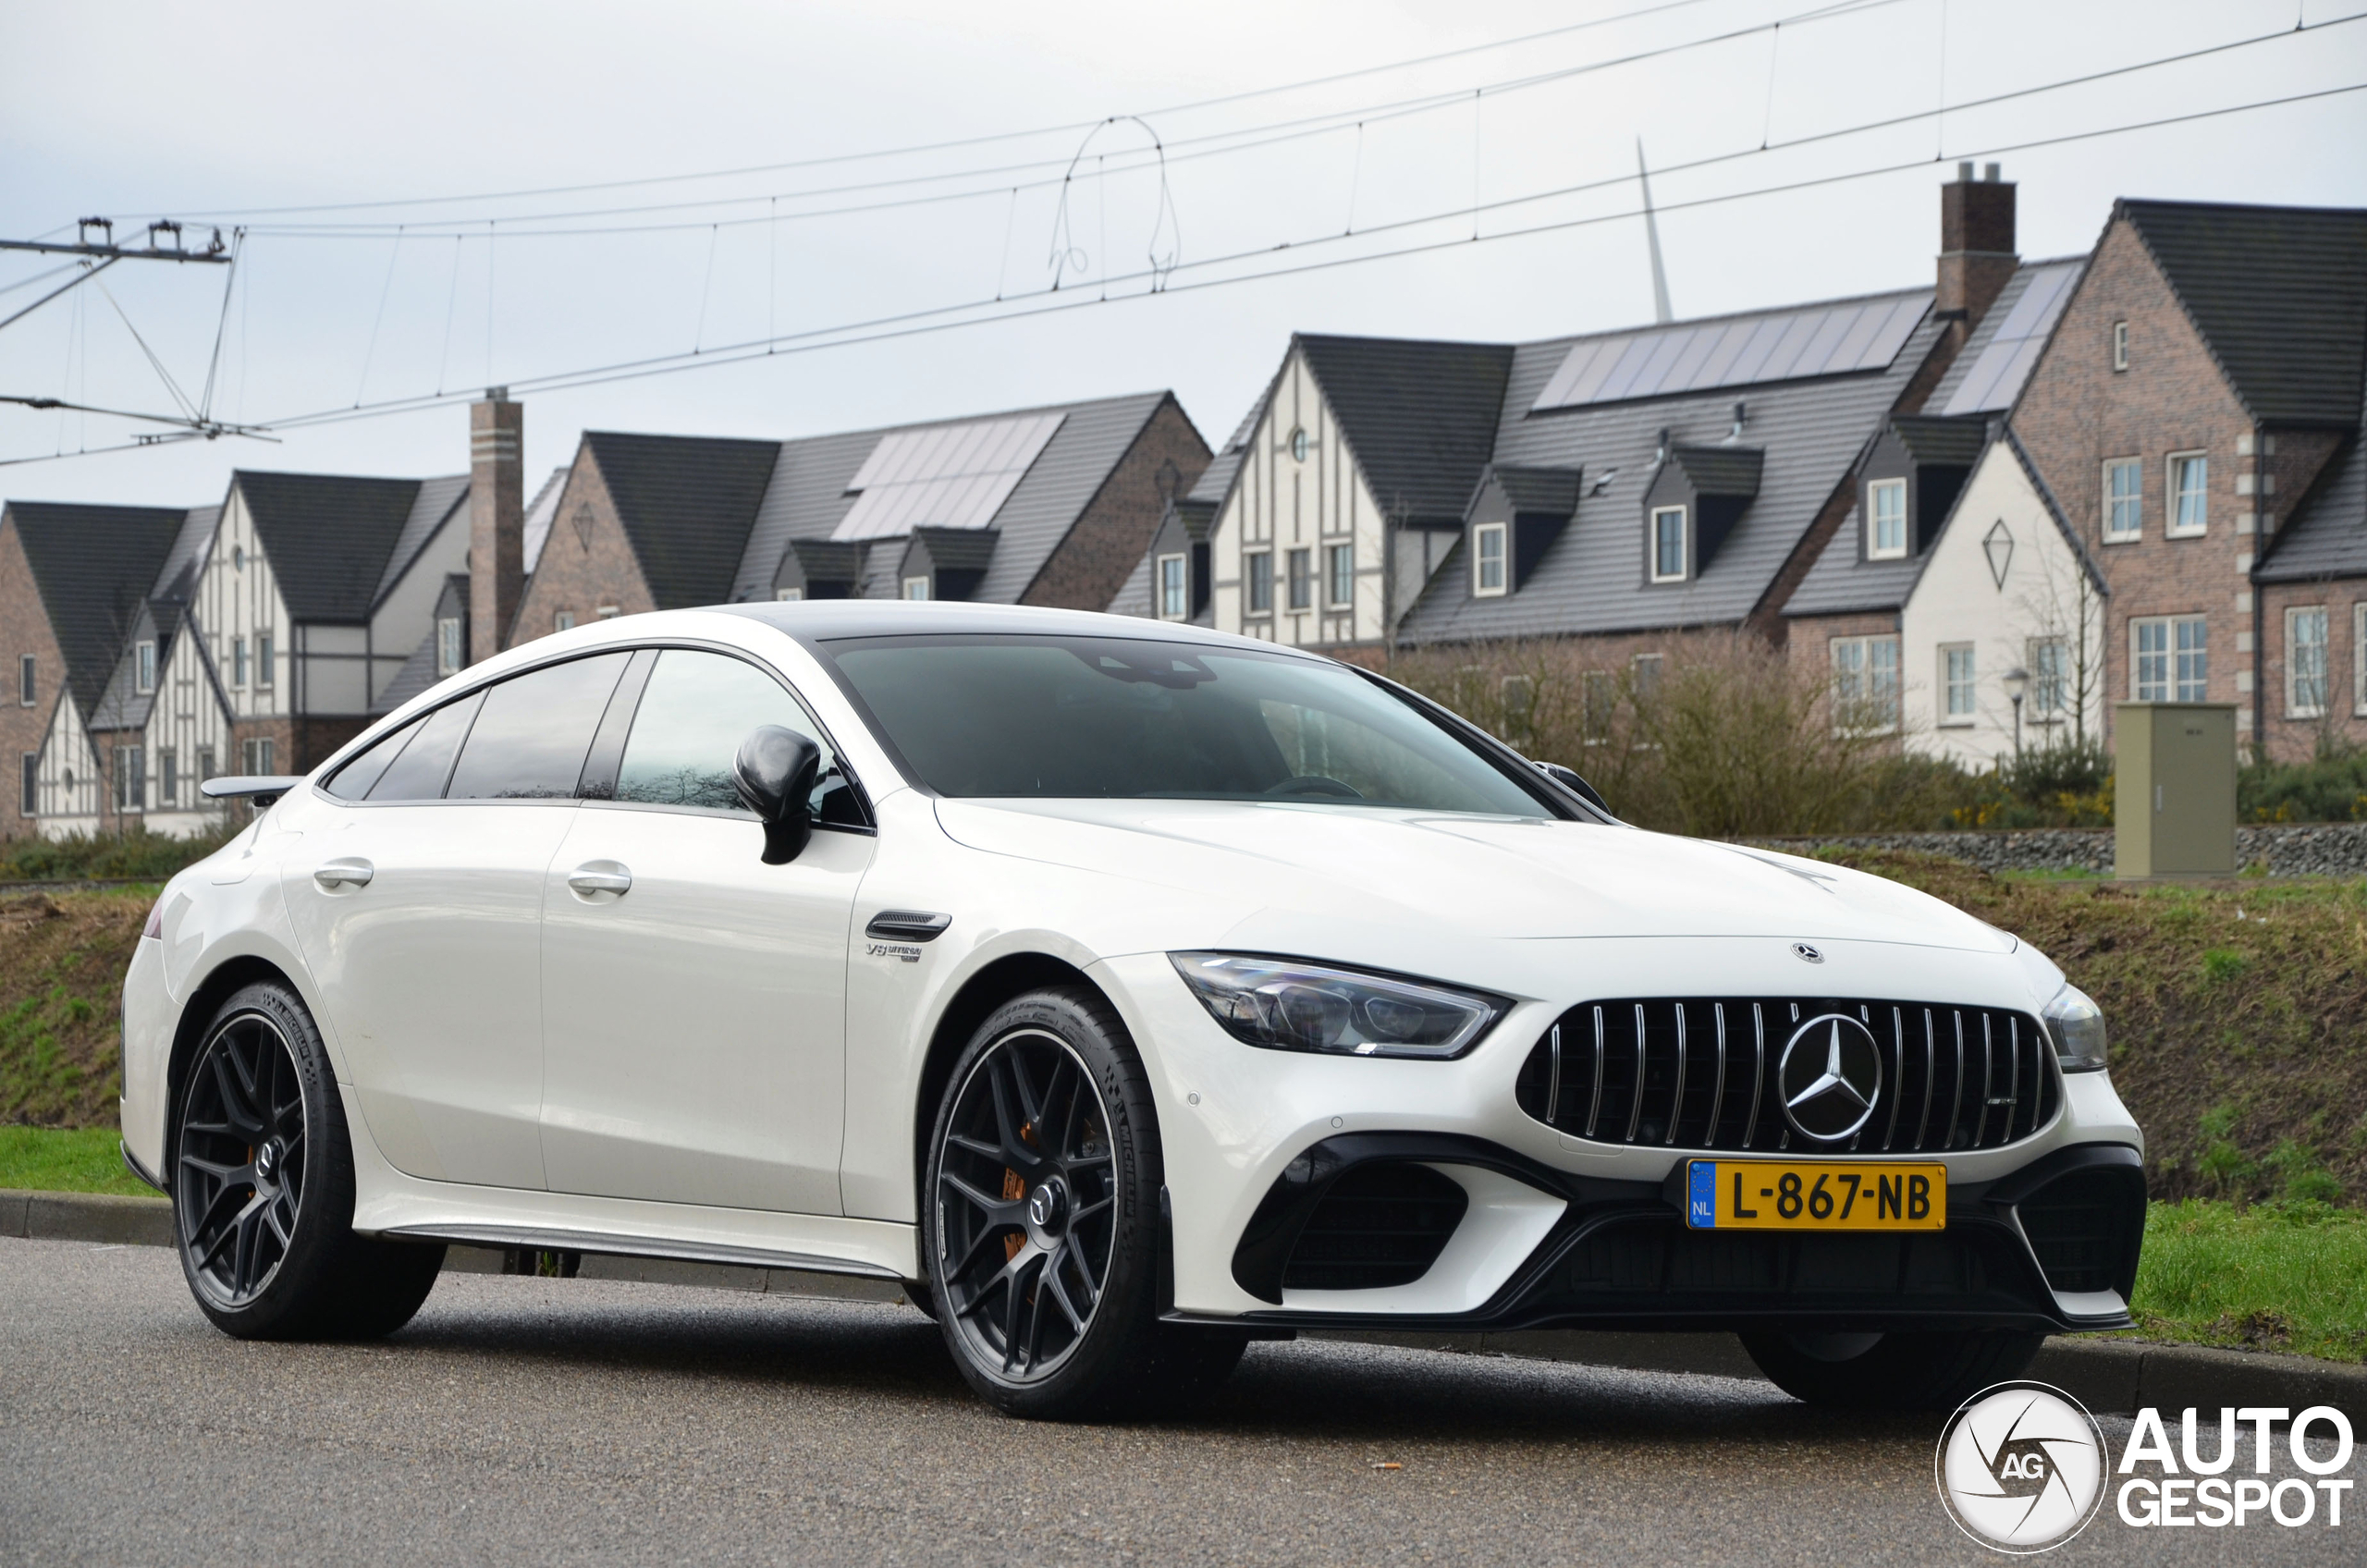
2018 679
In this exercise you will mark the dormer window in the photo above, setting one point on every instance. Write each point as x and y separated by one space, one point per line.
1668 545
1490 550
449 653
1886 520
1174 599
144 673
916 587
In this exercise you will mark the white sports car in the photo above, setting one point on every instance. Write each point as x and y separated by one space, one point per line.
1129 991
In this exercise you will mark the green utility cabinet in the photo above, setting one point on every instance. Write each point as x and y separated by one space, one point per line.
2174 804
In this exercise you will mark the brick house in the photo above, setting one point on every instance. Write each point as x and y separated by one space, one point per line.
2201 380
1051 506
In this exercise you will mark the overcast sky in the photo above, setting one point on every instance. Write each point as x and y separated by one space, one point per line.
212 114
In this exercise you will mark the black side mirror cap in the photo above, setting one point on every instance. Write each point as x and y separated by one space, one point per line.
1568 778
774 773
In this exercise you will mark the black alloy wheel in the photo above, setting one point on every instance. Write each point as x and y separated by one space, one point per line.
239 1186
1026 1193
1040 1220
262 1178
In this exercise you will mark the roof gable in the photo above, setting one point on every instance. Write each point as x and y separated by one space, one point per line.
95 567
328 536
1419 416
687 503
2279 295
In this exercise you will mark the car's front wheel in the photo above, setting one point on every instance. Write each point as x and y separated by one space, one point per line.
262 1187
1040 1219
1922 1371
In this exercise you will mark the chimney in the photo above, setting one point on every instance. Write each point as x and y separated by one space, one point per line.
1976 249
496 520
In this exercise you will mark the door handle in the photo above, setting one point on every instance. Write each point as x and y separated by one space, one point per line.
600 876
344 873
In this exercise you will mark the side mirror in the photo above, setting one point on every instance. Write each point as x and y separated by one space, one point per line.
1568 778
774 773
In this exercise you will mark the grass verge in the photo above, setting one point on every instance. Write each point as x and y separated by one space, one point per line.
2281 1277
67 1160
62 959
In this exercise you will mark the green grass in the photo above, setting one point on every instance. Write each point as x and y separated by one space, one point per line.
79 1159
2284 1276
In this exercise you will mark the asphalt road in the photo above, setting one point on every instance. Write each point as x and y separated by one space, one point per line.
520 1420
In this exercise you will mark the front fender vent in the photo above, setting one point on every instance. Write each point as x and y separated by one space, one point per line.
1701 1074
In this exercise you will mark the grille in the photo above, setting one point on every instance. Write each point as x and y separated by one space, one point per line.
1700 1074
2083 1226
1379 1225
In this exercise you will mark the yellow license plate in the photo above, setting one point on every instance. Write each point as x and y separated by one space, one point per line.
1800 1195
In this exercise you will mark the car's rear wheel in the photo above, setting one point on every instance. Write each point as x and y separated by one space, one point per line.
262 1187
1041 1222
1923 1371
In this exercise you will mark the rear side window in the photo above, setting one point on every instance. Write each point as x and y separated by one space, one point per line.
353 780
530 739
418 773
693 714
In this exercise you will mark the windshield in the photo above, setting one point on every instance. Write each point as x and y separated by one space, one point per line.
1113 718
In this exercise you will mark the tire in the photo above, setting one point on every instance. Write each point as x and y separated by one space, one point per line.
261 1175
1043 1195
1930 1371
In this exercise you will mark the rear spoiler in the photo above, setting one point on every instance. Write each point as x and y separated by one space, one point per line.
261 788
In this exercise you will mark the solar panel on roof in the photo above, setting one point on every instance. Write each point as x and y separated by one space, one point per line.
943 476
1780 346
1997 377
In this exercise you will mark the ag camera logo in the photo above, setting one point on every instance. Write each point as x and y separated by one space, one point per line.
2021 1467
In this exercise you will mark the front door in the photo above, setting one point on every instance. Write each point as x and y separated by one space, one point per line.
694 998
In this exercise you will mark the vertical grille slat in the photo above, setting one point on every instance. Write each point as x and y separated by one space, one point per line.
1675 1057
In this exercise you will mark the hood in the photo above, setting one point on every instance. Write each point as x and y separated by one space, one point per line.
1501 877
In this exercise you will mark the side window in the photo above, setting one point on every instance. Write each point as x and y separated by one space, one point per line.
530 739
693 714
353 781
420 768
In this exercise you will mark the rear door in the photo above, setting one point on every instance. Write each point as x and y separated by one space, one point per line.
693 998
420 913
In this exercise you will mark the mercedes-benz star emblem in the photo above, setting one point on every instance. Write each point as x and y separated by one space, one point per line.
1831 1074
1805 954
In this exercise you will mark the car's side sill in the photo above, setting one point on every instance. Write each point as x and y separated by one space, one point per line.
545 1238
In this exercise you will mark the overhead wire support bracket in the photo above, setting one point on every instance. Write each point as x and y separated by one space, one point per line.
217 254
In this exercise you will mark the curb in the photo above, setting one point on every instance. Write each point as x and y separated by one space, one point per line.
2112 1377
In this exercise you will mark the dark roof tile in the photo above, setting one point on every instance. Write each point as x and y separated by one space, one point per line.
687 503
1421 416
95 567
327 536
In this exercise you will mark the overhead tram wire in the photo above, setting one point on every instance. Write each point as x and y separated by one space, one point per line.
915 324
1410 107
993 137
1242 139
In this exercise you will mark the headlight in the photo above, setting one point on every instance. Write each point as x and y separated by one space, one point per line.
2077 1026
1284 1005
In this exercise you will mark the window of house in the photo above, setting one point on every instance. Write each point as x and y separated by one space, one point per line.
1174 602
204 763
1865 683
1302 579
130 778
1886 518
448 657
1339 575
2192 671
257 756
563 620
606 612
1298 445
25 672
143 667
1956 683
916 587
267 658
2169 659
168 778
29 784
2050 667
1601 697
2123 497
2120 344
1257 575
238 661
1645 672
2149 660
2305 662
781 596
2189 494
1668 543
533 732
1488 568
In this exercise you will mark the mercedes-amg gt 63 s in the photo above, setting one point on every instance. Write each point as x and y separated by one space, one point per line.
1126 990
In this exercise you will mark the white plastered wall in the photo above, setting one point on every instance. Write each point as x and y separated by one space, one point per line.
71 788
401 620
186 720
238 596
1959 600
1279 503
